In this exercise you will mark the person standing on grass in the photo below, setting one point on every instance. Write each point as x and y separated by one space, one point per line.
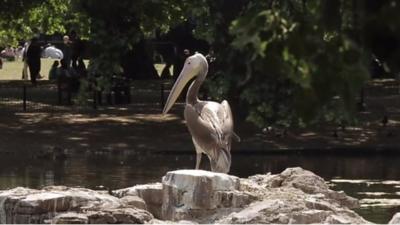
25 61
67 53
33 59
77 50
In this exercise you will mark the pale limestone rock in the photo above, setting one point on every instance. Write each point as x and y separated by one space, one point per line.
189 179
157 221
336 219
395 219
119 216
189 194
342 199
300 179
8 200
316 203
150 193
253 213
286 211
70 218
100 217
293 196
233 199
43 203
309 216
137 190
134 201
22 205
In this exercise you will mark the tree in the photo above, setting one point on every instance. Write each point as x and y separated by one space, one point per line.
296 62
380 30
22 19
117 27
291 62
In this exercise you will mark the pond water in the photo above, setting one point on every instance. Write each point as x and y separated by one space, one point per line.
374 179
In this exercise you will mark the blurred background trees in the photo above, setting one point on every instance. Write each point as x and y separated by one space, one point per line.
292 63
22 19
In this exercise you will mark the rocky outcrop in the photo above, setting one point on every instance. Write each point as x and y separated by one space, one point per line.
297 178
189 196
289 206
293 196
23 205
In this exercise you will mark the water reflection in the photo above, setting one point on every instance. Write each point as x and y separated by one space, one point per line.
379 199
357 175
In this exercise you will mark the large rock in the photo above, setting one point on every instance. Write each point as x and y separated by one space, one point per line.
22 205
195 194
294 196
298 178
286 209
189 196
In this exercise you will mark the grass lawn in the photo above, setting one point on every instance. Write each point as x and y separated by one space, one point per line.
13 70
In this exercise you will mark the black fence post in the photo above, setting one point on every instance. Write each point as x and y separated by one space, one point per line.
59 94
94 99
128 94
99 97
162 95
361 104
24 98
69 96
109 97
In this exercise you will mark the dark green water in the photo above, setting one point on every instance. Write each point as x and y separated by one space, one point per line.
374 179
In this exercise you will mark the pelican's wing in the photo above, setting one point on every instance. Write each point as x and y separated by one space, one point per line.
201 130
226 116
210 124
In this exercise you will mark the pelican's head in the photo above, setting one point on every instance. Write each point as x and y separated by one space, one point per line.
195 65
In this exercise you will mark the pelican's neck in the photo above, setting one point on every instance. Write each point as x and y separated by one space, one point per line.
193 91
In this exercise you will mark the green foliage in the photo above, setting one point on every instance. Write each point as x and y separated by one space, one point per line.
115 27
380 31
286 63
23 19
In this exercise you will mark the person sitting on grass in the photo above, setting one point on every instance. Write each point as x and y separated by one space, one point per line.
53 74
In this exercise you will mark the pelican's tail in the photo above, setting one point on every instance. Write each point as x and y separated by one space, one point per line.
221 162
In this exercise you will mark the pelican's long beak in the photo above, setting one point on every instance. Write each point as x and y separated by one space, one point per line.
185 76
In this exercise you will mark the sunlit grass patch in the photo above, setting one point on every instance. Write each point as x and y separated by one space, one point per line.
12 70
